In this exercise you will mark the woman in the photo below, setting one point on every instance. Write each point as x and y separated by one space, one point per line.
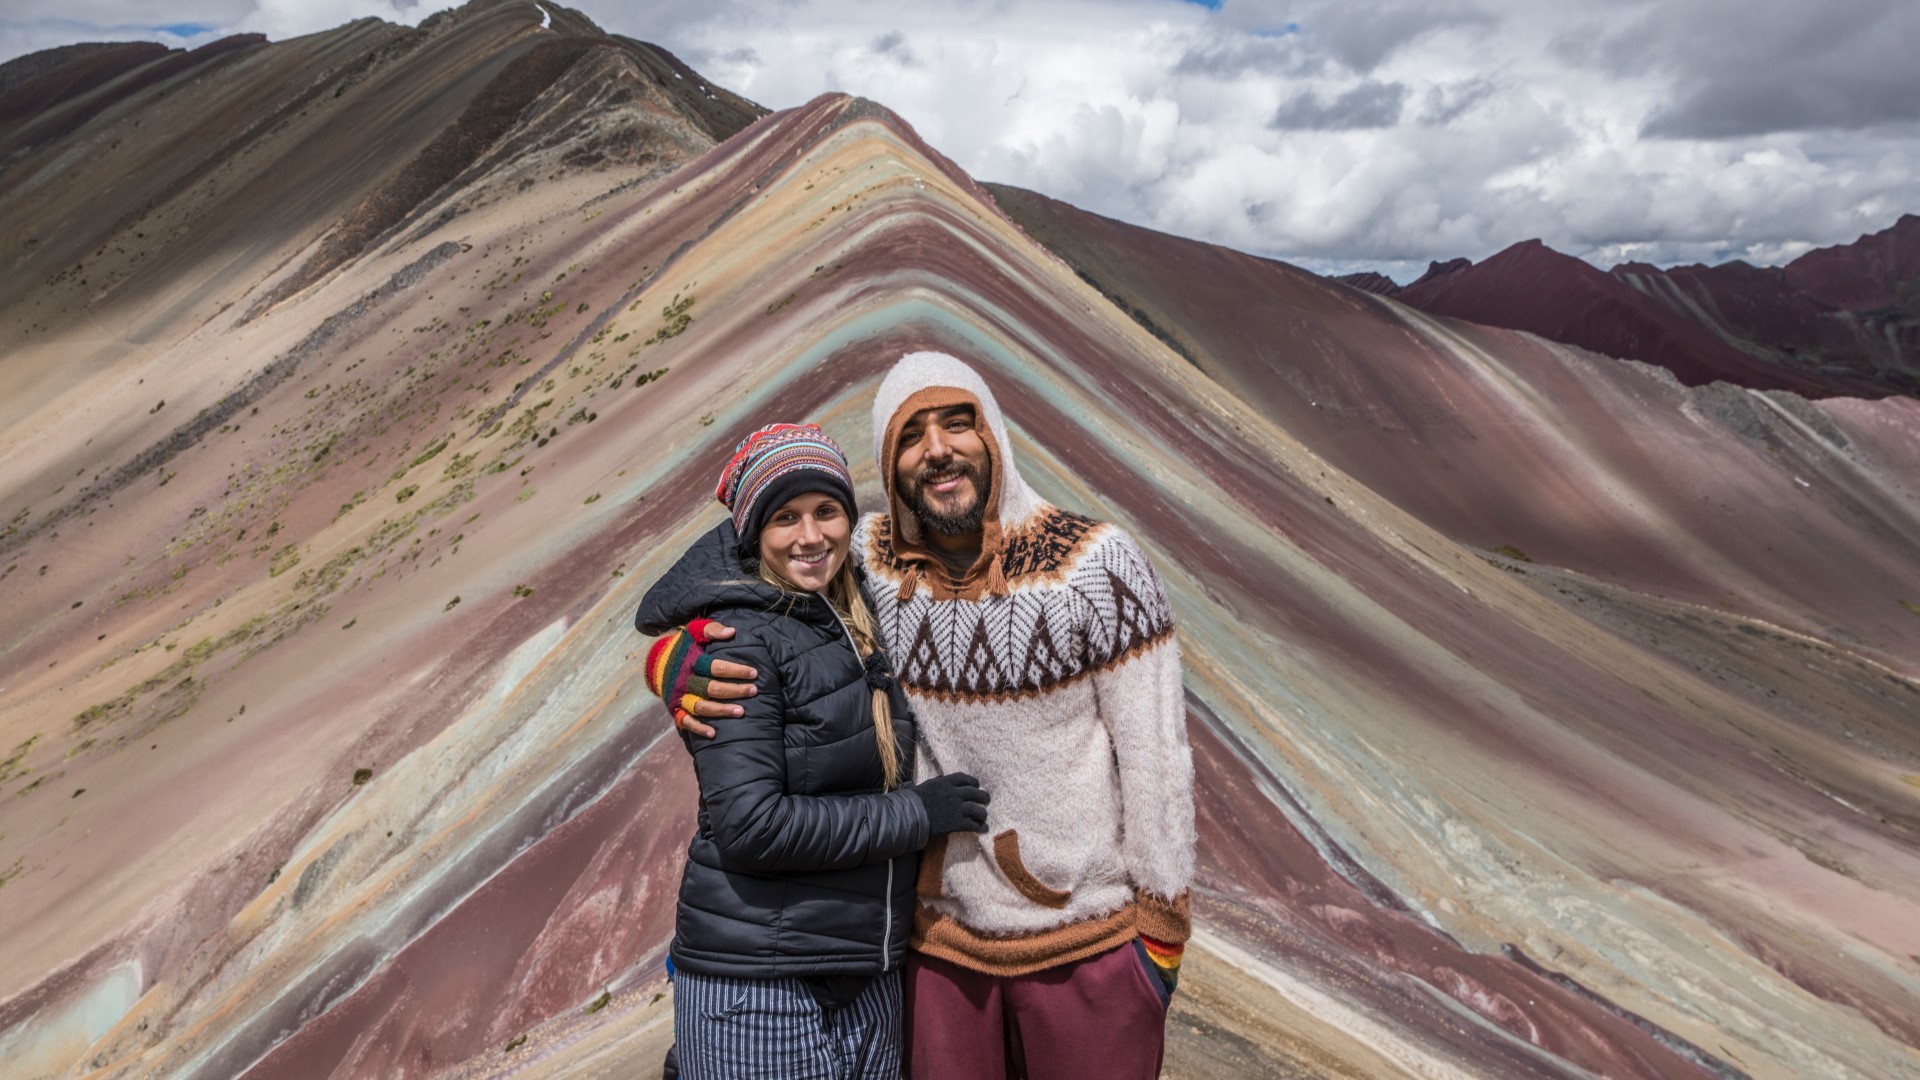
797 896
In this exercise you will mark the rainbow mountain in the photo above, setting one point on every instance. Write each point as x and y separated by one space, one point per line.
1551 717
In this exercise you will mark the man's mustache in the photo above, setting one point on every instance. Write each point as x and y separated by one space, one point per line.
933 474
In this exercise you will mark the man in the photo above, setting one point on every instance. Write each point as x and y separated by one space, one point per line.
1037 649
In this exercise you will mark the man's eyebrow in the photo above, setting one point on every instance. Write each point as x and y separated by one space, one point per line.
941 415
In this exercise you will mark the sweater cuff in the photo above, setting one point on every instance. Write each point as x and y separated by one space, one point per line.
1166 921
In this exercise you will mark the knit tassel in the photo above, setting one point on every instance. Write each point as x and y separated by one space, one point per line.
996 578
909 582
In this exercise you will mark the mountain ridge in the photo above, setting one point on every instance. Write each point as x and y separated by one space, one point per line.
1840 321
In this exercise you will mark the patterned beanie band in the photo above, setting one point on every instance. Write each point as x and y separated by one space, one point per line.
775 464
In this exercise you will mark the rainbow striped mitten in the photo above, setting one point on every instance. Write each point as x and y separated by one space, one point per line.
678 669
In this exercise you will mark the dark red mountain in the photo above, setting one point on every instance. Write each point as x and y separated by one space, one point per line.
1839 321
1369 281
1873 272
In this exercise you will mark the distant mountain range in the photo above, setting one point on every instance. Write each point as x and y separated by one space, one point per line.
1837 321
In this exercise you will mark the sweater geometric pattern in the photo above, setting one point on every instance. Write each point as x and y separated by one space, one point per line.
1078 602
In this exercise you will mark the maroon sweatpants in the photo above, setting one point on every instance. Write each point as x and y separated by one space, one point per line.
1102 1018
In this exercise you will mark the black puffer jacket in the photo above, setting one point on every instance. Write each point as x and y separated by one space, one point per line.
801 865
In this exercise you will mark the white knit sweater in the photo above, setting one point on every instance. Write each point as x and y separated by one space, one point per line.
1050 671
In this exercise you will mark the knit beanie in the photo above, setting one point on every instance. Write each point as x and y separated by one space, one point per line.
775 464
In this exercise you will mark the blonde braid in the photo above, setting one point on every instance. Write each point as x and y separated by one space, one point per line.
844 593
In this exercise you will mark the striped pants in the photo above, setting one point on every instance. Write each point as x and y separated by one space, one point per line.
771 1029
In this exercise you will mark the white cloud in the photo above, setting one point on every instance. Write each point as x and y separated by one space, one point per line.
32 25
124 12
279 19
20 38
1344 134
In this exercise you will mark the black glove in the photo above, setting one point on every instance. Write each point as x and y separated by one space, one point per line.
955 803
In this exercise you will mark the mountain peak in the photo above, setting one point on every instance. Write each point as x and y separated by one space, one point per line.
1872 273
1369 281
1536 253
1437 270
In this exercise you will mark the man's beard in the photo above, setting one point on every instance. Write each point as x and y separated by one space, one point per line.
969 521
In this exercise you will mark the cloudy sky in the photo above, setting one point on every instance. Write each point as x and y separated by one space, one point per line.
1339 134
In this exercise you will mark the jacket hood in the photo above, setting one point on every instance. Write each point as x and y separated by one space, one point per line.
932 380
709 577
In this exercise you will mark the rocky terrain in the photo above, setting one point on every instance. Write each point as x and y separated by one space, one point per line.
1552 717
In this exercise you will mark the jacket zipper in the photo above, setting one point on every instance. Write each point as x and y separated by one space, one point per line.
886 935
886 932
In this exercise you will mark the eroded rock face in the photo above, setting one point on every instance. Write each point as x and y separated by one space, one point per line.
1551 719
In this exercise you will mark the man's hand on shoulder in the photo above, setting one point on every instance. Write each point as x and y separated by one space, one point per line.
694 685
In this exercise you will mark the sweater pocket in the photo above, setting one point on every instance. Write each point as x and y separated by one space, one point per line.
933 862
1006 852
